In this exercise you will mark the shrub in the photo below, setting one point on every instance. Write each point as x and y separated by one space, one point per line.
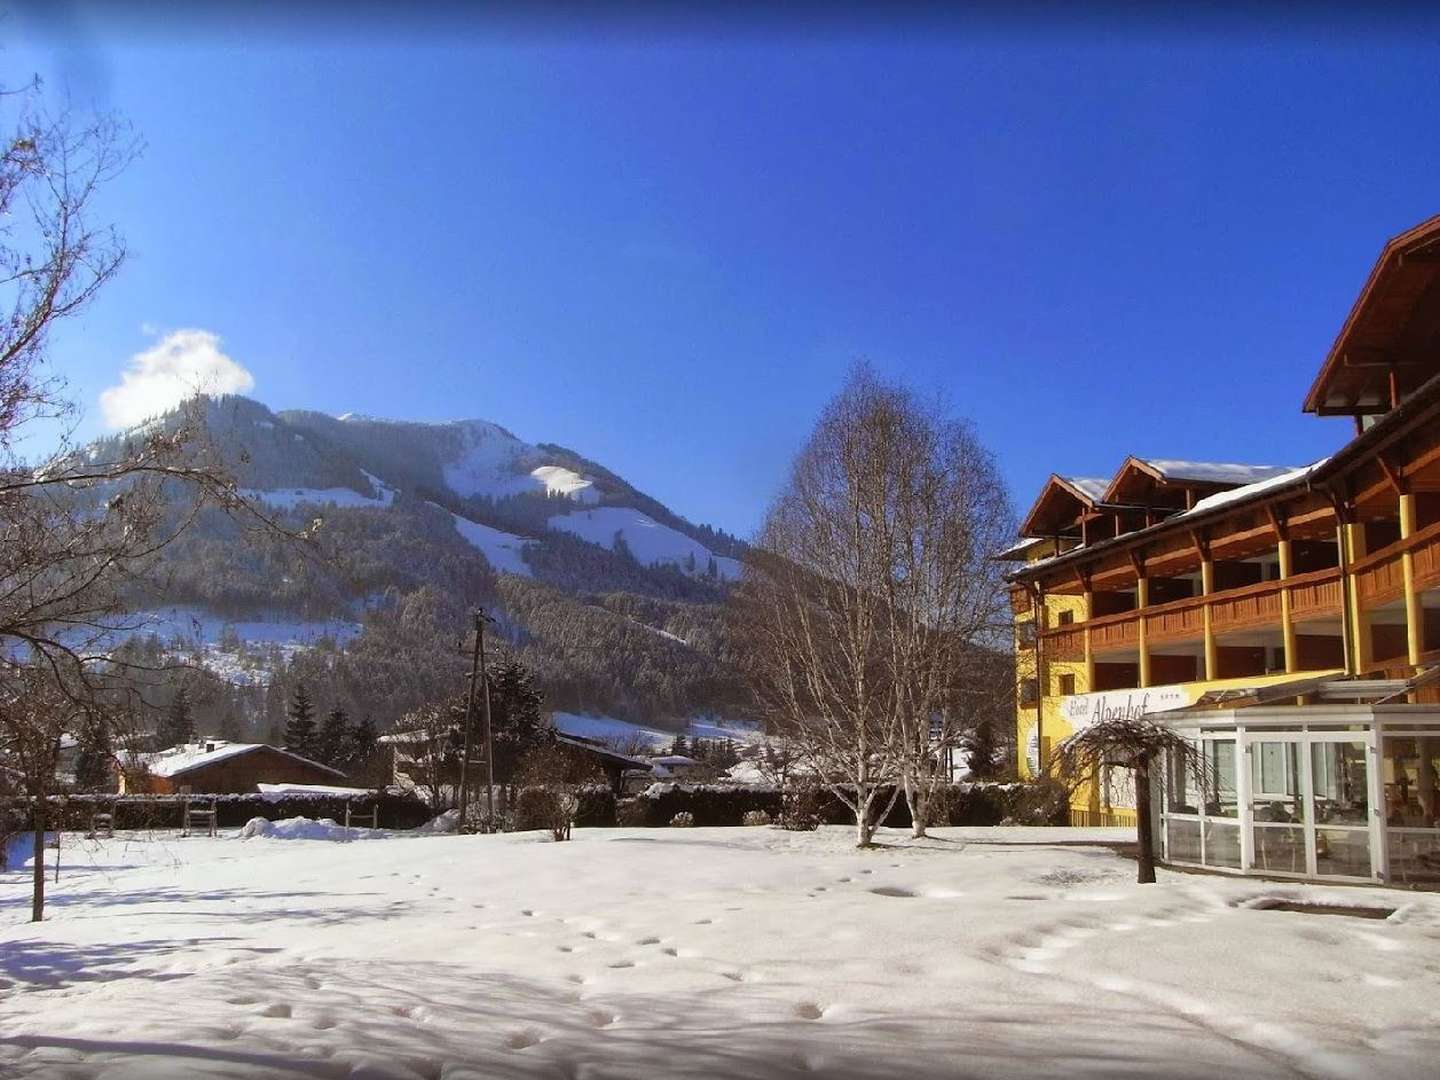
535 808
1042 801
800 810
682 820
597 807
755 817
632 813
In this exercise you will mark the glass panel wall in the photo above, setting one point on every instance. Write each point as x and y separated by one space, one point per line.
1338 779
1182 840
1222 844
1275 782
1410 768
1221 799
1410 780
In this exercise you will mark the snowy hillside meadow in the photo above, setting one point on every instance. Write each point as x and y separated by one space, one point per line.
699 953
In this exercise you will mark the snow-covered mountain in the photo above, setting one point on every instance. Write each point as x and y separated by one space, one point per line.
610 596
499 479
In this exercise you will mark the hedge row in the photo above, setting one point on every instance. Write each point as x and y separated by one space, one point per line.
714 804
75 812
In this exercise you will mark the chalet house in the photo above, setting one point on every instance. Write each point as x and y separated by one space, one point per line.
414 752
1283 618
216 767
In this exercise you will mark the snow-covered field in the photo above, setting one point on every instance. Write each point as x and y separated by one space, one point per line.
731 953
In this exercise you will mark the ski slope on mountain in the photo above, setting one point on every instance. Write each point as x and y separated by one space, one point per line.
650 542
289 498
502 550
492 462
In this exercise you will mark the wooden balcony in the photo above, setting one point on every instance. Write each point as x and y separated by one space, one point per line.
1066 643
1313 595
1379 576
1426 546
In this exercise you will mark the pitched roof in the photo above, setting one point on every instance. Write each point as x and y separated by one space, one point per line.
1391 332
183 759
1214 472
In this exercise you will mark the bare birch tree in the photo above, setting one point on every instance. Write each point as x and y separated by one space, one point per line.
78 532
870 592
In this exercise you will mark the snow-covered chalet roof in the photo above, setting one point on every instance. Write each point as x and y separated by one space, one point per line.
1093 487
183 759
1215 472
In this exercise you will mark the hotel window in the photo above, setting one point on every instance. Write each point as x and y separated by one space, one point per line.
1025 634
1029 691
1065 618
1067 685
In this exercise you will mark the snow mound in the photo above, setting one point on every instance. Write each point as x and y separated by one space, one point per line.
303 828
650 542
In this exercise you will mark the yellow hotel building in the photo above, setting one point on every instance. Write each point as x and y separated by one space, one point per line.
1234 600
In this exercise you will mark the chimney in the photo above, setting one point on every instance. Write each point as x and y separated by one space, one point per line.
209 747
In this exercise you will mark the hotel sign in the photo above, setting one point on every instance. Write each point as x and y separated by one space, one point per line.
1082 710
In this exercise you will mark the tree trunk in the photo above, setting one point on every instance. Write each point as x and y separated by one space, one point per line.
918 799
1143 823
37 897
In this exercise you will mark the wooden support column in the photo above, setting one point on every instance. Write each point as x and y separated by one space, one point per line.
1287 622
1085 635
1207 586
1287 570
1414 613
1361 650
1142 601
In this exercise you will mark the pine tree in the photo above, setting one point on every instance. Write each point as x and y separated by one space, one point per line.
177 726
679 747
332 747
300 727
94 759
984 761
230 728
363 754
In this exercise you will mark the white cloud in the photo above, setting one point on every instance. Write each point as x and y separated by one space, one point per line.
180 365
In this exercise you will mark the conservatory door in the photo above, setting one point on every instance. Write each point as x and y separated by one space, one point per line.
1310 804
1340 819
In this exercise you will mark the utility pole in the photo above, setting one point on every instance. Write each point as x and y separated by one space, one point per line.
476 660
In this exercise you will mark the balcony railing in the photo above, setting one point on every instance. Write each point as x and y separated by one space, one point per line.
1312 595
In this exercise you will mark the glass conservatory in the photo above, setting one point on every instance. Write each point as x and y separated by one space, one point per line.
1333 791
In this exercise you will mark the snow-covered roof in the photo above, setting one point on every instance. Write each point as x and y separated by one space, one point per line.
1279 479
1215 472
280 790
1020 547
673 761
1092 487
183 759
1206 505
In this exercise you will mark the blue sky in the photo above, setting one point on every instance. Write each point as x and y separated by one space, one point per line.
665 249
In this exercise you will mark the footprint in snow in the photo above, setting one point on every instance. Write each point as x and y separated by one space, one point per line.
519 1040
648 941
808 1010
279 1011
